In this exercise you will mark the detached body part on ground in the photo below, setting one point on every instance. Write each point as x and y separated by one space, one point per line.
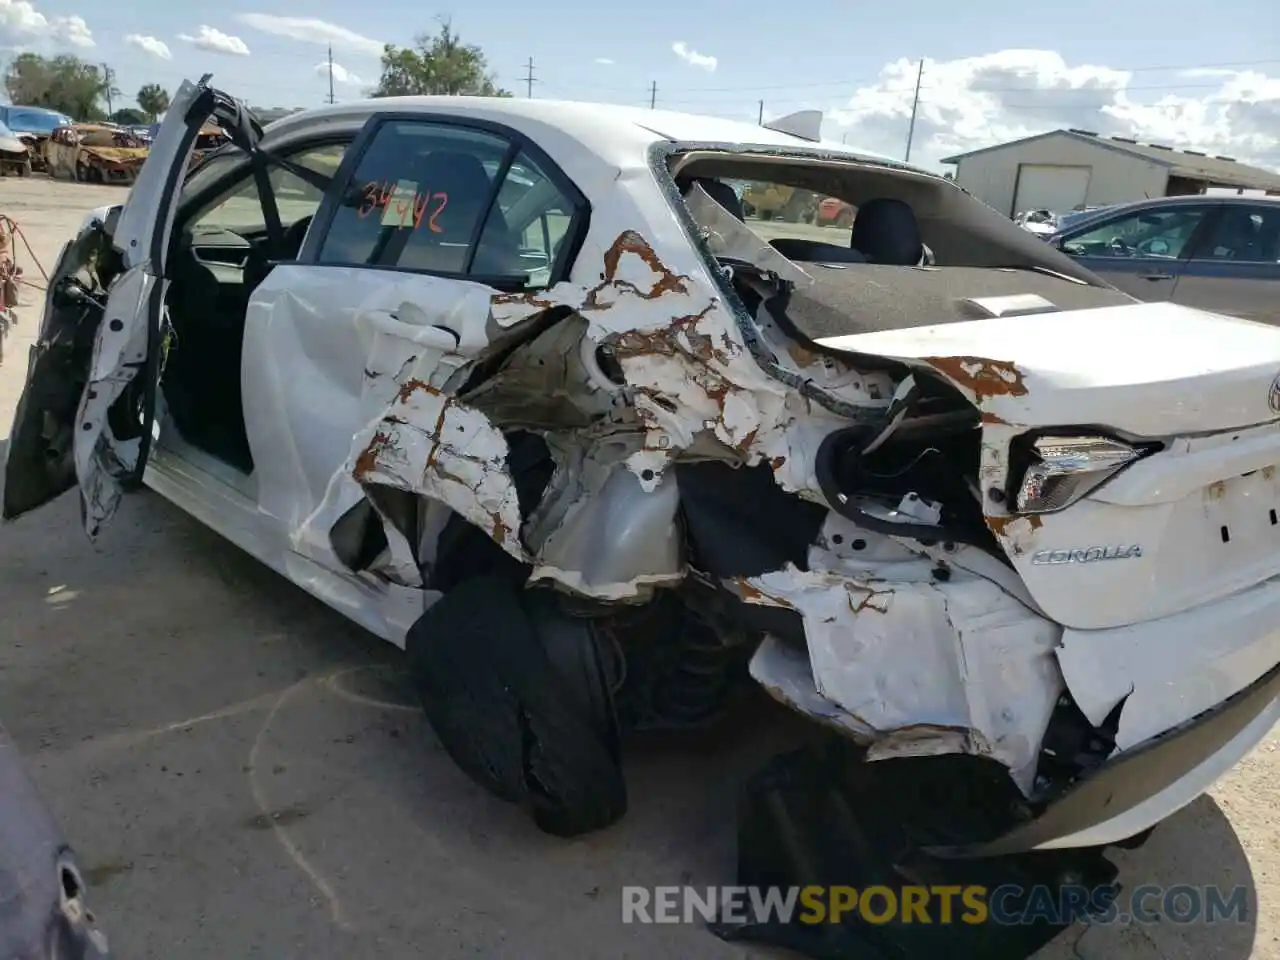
595 451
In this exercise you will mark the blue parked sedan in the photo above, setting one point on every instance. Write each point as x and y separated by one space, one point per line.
1215 253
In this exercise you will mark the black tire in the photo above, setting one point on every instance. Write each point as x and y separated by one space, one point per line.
24 168
506 716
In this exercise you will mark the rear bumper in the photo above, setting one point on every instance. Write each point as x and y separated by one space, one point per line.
1148 782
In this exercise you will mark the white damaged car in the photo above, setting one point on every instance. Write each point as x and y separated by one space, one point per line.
513 384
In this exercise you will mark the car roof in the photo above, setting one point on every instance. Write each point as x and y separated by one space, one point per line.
1193 199
1087 217
602 127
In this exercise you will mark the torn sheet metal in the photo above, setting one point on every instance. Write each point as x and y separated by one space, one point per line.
930 664
428 443
687 366
687 369
419 438
598 532
786 674
1199 664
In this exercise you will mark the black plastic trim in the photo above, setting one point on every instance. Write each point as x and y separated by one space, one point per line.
1135 775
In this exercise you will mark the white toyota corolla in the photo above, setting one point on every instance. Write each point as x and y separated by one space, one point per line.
515 385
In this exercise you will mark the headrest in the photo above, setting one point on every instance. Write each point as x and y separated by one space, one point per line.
886 230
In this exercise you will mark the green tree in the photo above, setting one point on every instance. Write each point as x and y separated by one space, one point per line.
154 100
63 83
128 117
436 64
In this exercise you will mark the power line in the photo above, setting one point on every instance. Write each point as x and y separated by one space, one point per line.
529 79
110 79
331 73
915 105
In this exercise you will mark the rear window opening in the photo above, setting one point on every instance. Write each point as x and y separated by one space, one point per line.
848 247
815 209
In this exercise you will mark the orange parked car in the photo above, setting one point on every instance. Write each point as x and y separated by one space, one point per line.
833 212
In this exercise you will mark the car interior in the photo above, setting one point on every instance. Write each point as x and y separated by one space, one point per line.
885 231
215 264
221 250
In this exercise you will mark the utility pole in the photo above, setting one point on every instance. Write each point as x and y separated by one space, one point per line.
529 79
331 73
760 115
653 94
106 73
915 103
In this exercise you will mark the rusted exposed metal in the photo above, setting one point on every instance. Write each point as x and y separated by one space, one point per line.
982 377
631 242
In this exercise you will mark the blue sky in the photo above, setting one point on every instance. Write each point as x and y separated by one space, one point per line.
994 68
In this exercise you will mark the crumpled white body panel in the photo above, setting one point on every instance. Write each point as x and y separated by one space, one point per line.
897 657
928 667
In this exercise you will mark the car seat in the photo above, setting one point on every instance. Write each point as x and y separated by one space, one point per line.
886 231
466 187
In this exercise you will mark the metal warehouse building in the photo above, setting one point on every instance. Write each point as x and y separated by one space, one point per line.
1066 169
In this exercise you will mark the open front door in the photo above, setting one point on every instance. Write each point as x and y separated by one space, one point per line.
87 412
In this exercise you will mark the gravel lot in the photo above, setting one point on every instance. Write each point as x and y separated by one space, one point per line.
243 776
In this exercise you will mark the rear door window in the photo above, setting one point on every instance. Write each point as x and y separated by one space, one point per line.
1243 234
445 199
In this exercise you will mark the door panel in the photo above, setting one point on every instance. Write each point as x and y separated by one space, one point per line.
1247 290
302 378
39 462
105 351
1235 268
335 341
1147 279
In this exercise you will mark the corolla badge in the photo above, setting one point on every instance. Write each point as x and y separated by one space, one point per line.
1273 398
1087 554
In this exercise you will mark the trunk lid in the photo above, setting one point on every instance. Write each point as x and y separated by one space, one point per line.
1191 522
1152 369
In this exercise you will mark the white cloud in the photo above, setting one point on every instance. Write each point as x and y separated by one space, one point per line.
340 73
151 45
311 30
604 61
216 41
980 101
693 57
22 24
72 30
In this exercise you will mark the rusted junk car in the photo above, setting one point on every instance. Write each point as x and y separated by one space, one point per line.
210 138
94 153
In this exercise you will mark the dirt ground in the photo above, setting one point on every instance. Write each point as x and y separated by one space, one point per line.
244 776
